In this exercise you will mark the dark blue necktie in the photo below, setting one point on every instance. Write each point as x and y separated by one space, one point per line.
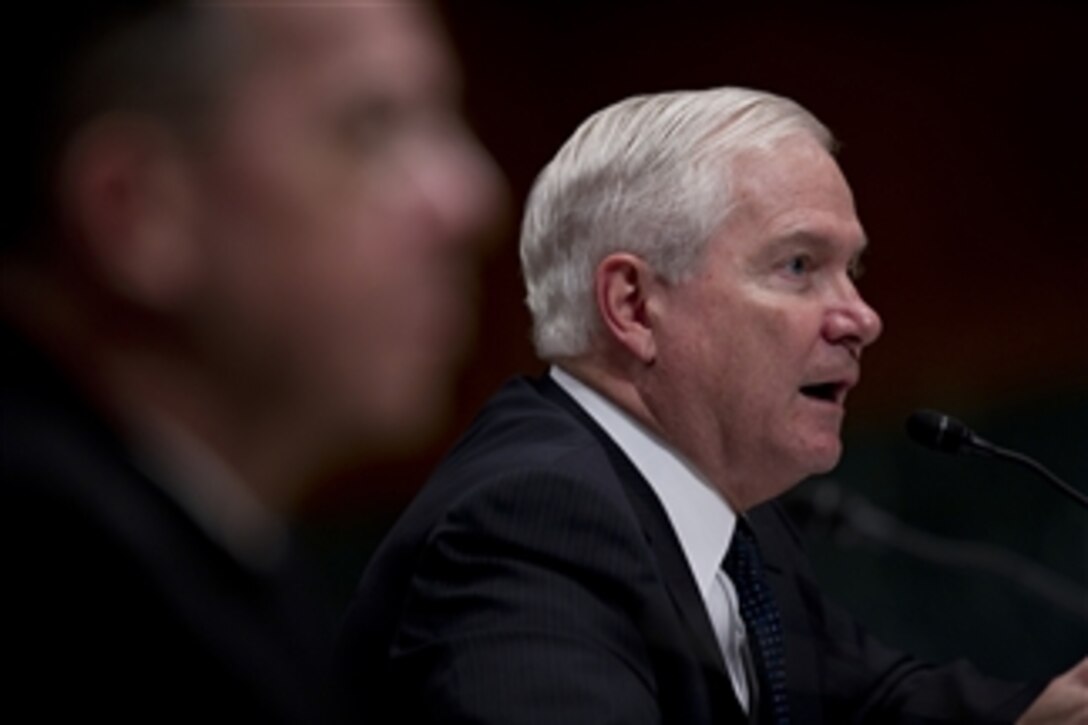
760 614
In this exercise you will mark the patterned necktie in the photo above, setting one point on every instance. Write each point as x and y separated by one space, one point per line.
760 614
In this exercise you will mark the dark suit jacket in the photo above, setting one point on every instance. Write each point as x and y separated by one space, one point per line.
117 607
536 579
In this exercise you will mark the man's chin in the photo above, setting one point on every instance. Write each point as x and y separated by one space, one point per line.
824 456
412 418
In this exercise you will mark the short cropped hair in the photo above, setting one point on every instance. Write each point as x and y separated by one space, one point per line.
650 176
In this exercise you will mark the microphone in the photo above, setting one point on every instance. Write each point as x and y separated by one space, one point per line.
942 432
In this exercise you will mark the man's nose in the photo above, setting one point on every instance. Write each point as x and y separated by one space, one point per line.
853 322
463 188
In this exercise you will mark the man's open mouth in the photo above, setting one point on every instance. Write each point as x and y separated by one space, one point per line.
831 392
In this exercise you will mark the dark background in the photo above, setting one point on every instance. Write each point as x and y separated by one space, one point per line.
963 131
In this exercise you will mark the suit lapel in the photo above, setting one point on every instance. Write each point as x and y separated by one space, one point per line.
674 568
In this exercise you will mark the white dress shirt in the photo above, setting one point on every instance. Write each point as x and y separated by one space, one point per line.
699 515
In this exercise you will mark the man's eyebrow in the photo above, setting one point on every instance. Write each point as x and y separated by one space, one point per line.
807 237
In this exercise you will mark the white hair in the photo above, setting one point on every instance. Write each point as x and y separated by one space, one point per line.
649 175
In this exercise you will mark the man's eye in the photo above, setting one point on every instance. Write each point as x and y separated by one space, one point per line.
371 124
799 264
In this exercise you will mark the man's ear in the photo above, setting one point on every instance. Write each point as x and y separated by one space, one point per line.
624 284
127 193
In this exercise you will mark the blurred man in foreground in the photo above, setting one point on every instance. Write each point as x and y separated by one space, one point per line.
242 249
602 546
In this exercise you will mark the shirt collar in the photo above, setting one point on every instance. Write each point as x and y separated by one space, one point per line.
209 491
699 515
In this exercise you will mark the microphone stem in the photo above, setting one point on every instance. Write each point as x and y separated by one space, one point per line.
985 448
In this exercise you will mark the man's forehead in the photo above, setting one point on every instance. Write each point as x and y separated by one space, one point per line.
384 32
322 54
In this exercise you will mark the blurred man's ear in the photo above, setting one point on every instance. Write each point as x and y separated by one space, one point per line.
623 283
127 197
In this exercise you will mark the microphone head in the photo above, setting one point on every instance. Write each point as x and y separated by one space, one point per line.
939 431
